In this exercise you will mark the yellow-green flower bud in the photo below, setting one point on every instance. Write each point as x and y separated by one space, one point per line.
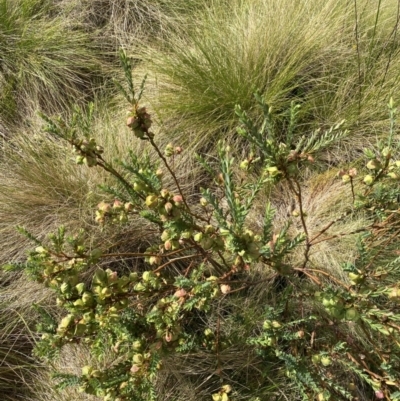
346 178
374 164
368 179
152 201
326 361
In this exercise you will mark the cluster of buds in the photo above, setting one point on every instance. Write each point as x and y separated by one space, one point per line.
347 175
154 259
171 150
139 362
379 165
172 240
321 359
167 204
78 323
247 246
222 394
394 170
208 238
394 294
118 211
140 123
295 156
337 307
248 162
150 281
88 151
273 172
164 315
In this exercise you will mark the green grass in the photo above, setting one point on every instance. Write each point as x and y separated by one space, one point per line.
46 63
303 51
17 367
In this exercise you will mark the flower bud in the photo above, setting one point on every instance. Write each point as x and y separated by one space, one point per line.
227 388
117 205
87 370
147 275
87 298
168 207
155 260
374 164
65 322
134 369
273 171
106 292
198 237
104 207
368 179
132 122
387 152
209 229
139 287
138 359
128 207
152 201
203 202
225 288
346 178
80 287
164 193
326 361
180 293
169 150
178 200
244 165
353 172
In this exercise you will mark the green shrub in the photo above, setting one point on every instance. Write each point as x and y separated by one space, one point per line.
215 304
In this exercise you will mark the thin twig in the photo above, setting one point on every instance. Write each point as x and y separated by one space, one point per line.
175 260
159 153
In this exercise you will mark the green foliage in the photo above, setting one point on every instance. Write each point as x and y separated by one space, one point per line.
206 257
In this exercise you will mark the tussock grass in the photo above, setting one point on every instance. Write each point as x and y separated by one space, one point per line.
46 62
17 367
70 361
325 199
308 52
115 23
43 188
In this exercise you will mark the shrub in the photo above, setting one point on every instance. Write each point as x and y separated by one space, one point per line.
216 305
